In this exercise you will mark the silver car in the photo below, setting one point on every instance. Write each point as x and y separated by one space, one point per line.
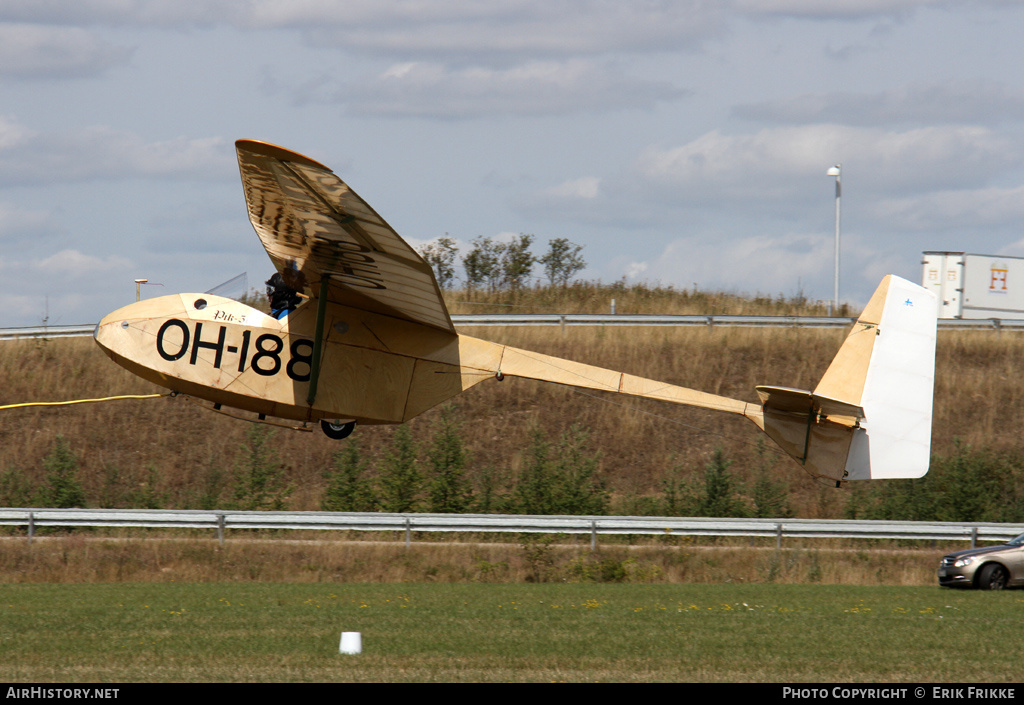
992 568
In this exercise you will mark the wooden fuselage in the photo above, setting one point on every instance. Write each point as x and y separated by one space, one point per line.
375 369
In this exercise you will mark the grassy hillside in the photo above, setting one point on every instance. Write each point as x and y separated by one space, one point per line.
168 452
590 297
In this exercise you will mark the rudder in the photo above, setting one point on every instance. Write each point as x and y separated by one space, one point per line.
870 416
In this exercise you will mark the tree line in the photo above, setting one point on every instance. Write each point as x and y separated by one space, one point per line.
560 475
435 473
493 265
971 484
432 475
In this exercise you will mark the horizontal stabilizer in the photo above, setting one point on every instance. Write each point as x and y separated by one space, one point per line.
800 401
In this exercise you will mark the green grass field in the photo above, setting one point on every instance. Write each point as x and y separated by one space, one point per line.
286 632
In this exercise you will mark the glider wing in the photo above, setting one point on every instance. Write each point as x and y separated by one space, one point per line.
323 237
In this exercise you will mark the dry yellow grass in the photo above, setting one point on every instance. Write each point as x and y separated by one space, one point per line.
87 558
589 297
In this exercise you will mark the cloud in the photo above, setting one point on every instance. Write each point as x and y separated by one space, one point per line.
789 163
452 30
13 133
836 9
447 30
203 225
593 202
920 104
430 90
791 264
20 225
128 13
35 51
586 188
762 263
853 9
533 24
965 210
73 263
28 157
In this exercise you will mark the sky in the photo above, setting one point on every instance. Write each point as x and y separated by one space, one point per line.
681 142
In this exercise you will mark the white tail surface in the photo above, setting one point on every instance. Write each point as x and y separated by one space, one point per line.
894 438
870 417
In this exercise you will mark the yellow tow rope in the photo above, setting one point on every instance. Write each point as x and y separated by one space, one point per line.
84 401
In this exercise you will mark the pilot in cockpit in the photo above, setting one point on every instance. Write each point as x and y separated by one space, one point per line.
283 299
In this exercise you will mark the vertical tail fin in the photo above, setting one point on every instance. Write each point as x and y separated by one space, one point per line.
870 416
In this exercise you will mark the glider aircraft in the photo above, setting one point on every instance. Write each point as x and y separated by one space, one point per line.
373 343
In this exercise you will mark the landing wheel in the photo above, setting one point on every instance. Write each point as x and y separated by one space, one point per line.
337 431
993 577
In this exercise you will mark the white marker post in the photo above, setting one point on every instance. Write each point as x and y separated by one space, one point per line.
351 643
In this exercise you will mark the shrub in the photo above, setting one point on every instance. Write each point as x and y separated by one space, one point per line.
260 481
61 489
400 479
348 490
448 490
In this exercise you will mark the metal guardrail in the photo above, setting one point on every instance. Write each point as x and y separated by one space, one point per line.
638 319
221 521
47 332
588 319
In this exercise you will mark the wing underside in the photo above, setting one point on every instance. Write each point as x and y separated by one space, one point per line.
318 232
